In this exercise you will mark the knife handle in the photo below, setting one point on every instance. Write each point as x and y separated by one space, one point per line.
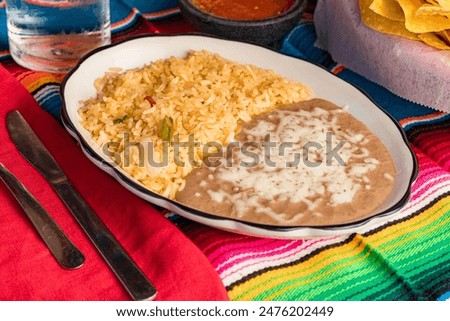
129 274
67 255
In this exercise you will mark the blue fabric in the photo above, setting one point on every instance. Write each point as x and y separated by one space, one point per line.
50 100
3 31
300 43
444 297
151 5
119 10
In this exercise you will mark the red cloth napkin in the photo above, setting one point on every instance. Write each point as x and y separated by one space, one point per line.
28 271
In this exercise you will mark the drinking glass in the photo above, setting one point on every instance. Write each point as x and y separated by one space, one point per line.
52 35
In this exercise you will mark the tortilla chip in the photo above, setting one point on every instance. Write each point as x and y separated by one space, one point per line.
434 40
389 9
439 3
432 2
418 23
444 4
445 35
428 9
382 24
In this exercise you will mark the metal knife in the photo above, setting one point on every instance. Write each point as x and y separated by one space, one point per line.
29 145
67 255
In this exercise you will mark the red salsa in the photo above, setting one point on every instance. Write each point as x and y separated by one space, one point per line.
244 10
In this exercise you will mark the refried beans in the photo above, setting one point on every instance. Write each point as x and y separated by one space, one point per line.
311 163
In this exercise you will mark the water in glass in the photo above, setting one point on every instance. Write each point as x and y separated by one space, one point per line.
52 35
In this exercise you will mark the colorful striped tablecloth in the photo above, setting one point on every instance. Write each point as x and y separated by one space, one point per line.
405 259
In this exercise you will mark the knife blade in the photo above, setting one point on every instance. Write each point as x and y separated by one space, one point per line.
64 251
126 270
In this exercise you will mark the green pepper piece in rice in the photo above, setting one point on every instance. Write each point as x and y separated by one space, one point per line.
166 129
120 120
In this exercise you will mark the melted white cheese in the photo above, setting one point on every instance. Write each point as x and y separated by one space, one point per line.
309 177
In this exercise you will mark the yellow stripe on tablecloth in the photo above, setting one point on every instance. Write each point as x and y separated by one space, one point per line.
386 235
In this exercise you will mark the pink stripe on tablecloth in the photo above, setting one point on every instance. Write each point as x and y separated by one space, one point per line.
265 251
243 246
426 181
269 256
